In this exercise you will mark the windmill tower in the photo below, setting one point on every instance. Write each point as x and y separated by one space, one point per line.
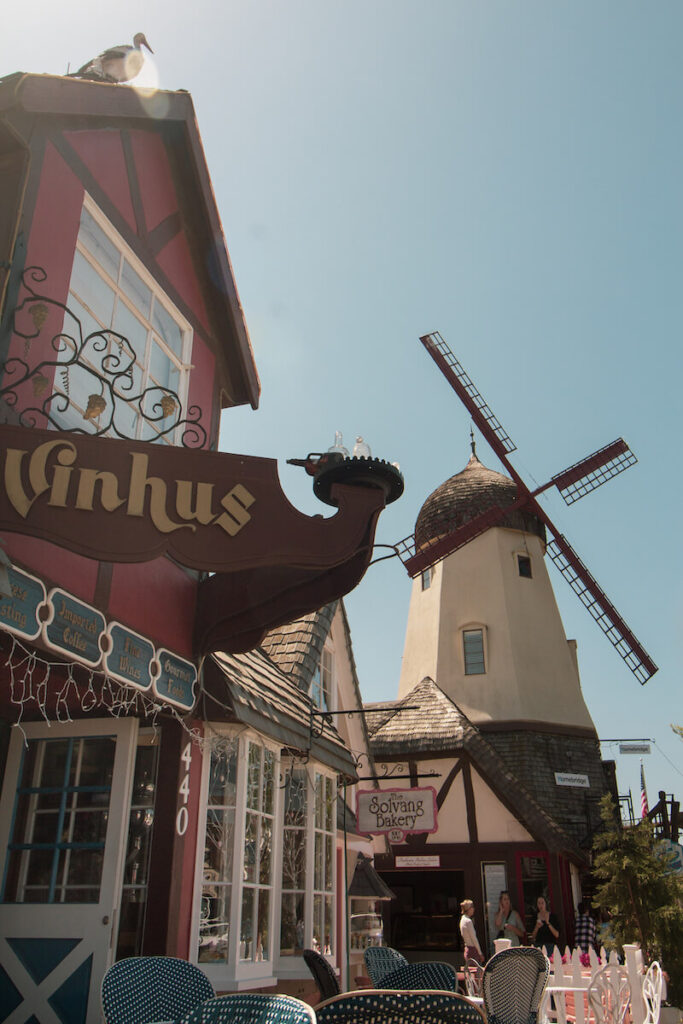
483 621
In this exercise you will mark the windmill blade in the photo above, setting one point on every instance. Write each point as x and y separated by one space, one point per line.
480 412
601 608
593 471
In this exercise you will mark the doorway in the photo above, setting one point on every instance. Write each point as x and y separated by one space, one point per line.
63 811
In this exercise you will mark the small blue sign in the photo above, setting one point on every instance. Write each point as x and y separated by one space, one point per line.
176 680
74 628
129 658
19 613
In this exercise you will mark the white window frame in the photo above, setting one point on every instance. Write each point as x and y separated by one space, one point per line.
182 362
472 627
291 966
232 973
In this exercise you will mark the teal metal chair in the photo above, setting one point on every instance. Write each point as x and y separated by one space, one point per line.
142 989
252 1008
387 1006
428 974
381 960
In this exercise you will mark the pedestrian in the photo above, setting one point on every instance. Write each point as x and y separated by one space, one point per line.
469 935
584 928
546 931
508 921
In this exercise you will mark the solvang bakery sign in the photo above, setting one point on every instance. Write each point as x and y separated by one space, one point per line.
129 501
397 812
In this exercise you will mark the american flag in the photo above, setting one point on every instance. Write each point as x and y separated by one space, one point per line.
643 794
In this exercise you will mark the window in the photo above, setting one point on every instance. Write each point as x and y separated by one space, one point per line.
110 288
139 848
426 577
307 912
473 647
237 877
321 684
255 939
524 566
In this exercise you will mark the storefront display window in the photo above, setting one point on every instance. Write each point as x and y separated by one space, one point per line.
307 914
239 855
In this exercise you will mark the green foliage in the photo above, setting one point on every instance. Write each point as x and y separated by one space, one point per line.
645 901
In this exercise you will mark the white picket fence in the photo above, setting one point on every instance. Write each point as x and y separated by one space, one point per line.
575 979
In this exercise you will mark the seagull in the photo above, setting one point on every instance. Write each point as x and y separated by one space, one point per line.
119 64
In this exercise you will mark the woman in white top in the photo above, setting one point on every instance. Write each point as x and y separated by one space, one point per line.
469 935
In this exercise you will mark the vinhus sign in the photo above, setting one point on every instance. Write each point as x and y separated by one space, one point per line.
130 501
397 812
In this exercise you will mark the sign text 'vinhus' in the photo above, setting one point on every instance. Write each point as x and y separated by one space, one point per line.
397 812
133 501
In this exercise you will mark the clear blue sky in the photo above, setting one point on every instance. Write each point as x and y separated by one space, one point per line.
507 173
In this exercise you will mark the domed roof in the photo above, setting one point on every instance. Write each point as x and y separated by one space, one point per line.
464 496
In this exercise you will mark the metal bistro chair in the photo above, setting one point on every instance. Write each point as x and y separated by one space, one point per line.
473 973
652 993
609 994
513 984
149 988
381 960
387 1006
323 974
427 974
252 1008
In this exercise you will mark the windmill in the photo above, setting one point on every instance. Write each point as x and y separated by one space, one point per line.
573 483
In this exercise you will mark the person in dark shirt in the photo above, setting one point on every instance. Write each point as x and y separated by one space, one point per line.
584 928
546 931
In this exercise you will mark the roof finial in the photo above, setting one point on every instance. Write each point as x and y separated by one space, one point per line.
472 442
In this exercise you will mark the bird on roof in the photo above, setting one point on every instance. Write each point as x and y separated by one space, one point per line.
119 64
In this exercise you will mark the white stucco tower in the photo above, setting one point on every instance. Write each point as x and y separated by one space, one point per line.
484 623
484 626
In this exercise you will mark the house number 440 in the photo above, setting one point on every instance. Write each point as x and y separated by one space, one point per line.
182 817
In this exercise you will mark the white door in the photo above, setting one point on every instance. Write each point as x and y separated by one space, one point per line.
63 816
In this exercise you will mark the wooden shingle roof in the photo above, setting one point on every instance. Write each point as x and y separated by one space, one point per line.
433 725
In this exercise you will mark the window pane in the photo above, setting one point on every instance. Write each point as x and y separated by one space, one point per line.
265 859
328 947
319 865
223 778
167 329
96 242
293 858
268 781
254 776
127 324
92 290
162 371
330 804
136 289
292 924
220 830
262 951
329 863
473 642
247 925
319 806
295 798
214 926
250 850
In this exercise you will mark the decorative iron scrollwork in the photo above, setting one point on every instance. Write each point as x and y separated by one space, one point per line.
40 394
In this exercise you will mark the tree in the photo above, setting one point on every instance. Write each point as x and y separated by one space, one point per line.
644 898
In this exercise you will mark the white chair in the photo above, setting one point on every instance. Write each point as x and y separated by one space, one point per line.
652 993
609 995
